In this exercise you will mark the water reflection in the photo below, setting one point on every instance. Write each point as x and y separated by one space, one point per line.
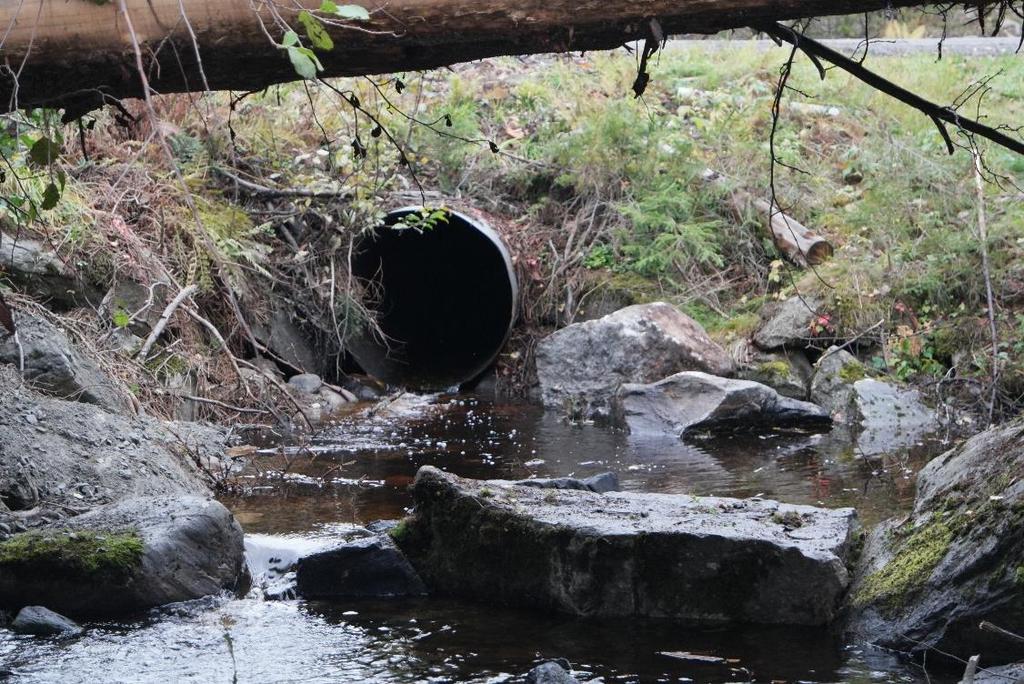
358 471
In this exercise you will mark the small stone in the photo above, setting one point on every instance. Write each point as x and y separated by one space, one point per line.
305 382
42 621
550 672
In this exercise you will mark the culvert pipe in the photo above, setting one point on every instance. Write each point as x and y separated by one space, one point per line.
444 296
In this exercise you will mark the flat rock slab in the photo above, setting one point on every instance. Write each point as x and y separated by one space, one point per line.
701 560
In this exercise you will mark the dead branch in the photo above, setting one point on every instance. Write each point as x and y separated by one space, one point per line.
165 317
800 244
936 113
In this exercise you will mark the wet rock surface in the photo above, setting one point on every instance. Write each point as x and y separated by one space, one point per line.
580 367
61 457
600 483
890 417
354 563
125 557
929 581
550 673
41 621
363 568
883 415
700 560
53 365
691 401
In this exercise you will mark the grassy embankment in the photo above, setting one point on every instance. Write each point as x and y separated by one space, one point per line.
595 189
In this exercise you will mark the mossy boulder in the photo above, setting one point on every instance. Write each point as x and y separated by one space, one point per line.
788 372
926 582
125 557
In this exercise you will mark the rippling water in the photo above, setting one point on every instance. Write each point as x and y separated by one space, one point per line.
358 471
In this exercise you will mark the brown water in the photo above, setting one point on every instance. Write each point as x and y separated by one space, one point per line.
358 471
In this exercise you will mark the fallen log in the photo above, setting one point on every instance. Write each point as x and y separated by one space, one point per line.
79 53
801 245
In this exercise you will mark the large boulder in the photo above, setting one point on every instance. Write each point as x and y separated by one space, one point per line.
53 365
580 367
789 323
702 560
33 267
58 457
957 560
691 401
125 557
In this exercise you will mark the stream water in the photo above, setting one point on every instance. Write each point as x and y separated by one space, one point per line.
358 471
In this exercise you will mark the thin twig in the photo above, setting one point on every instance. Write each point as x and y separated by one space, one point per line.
979 185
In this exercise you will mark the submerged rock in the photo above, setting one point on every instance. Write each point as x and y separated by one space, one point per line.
125 557
957 560
42 621
580 367
701 560
689 401
53 365
600 483
550 673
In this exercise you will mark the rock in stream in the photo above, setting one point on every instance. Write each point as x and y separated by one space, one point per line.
700 560
581 366
928 582
125 557
690 400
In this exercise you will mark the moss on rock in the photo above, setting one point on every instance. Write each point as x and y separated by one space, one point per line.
909 569
72 554
852 372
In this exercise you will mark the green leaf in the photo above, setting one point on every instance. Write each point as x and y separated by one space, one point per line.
316 32
304 62
51 195
291 39
121 318
352 13
328 7
43 152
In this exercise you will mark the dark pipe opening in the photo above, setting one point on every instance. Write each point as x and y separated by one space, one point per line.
445 299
